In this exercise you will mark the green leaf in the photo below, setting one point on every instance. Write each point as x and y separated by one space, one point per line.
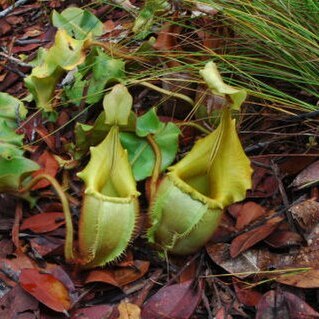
13 171
10 109
78 23
149 123
141 154
13 166
8 135
42 89
64 55
88 135
144 21
215 82
105 70
117 105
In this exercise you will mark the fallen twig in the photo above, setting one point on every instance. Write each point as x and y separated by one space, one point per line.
5 12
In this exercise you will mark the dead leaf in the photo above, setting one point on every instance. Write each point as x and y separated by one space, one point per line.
222 314
15 19
16 302
6 247
5 27
284 305
249 262
46 289
247 213
304 279
245 295
59 273
167 39
247 240
177 301
306 215
43 223
226 229
129 311
94 312
49 166
264 182
45 245
283 238
307 177
105 276
121 276
292 165
11 268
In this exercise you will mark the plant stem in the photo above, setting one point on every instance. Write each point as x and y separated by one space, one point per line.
113 51
157 165
68 248
195 125
167 92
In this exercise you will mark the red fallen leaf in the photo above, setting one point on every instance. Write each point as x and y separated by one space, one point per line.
43 223
306 215
284 305
283 238
247 240
225 229
105 276
249 212
264 183
306 279
177 301
5 27
308 176
59 273
128 260
10 268
242 266
121 276
248 297
94 312
189 272
234 209
167 38
26 48
222 314
15 19
6 247
45 245
46 289
109 26
294 164
49 166
16 302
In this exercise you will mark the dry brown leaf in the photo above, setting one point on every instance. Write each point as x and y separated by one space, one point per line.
129 311
308 177
252 261
304 279
249 212
306 215
247 240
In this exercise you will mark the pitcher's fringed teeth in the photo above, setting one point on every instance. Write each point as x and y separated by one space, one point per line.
110 208
189 201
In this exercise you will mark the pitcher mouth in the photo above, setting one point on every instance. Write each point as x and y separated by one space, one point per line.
192 192
113 199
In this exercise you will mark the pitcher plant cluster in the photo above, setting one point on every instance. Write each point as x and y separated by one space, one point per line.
186 199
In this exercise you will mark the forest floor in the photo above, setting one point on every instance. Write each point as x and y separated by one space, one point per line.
263 260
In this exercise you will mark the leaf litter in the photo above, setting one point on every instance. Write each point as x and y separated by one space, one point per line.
255 251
